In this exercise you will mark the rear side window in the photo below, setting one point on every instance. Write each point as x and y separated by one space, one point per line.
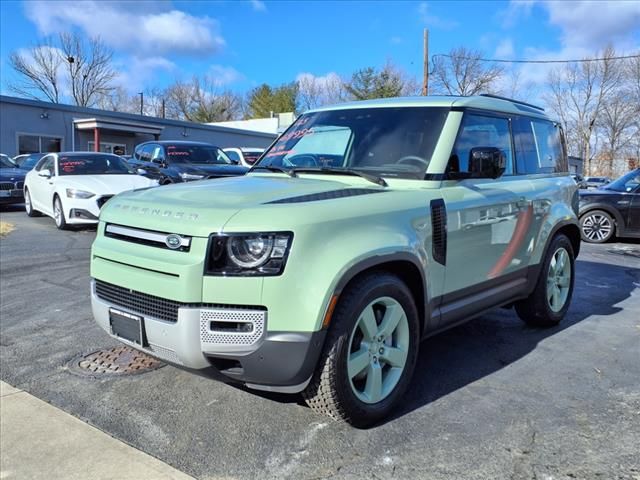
480 131
539 147
233 155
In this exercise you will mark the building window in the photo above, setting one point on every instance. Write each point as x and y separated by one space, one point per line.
38 144
106 147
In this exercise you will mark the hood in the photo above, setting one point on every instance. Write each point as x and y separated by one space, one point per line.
597 192
202 207
105 184
218 170
12 174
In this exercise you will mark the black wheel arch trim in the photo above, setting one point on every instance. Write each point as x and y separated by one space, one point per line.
352 272
554 231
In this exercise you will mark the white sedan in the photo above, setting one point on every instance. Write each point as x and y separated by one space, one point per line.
72 187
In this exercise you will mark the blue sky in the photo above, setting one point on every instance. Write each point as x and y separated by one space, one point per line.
245 43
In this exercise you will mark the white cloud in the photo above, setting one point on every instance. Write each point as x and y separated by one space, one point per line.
505 49
396 40
143 28
258 5
433 21
593 25
221 75
516 10
135 74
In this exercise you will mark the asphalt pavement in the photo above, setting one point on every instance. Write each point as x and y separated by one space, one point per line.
490 399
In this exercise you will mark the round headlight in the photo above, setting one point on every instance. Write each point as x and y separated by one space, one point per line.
249 252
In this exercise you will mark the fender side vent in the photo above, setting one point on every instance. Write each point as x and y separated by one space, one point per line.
439 229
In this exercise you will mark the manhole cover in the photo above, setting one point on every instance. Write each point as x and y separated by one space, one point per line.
115 361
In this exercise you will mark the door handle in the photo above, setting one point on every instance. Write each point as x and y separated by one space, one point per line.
623 202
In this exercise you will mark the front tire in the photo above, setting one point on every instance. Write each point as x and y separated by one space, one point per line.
28 205
550 300
58 214
369 354
597 226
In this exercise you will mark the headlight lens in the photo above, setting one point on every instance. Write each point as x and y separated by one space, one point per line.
190 176
251 254
75 193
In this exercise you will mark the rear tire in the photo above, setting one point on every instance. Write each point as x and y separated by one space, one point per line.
597 226
28 206
369 354
58 214
550 300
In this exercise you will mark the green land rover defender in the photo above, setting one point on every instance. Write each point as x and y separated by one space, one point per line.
363 229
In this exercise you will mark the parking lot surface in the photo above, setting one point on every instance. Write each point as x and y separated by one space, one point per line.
490 399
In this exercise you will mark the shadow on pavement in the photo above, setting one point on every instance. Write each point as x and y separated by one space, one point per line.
460 356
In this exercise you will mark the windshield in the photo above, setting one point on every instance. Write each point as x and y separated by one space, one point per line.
202 154
626 183
27 162
395 142
596 179
93 165
5 162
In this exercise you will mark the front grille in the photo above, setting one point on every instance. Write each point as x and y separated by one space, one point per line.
102 200
138 302
7 186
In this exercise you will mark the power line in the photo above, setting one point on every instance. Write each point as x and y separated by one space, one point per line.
497 60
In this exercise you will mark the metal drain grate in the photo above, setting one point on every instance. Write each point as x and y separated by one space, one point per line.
115 361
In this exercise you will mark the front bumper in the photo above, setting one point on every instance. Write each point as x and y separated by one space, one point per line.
11 196
273 361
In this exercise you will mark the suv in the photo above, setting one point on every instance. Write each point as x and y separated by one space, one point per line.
364 228
171 162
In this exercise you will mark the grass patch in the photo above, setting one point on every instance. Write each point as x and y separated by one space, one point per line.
5 229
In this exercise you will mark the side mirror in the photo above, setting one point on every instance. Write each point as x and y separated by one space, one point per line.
45 173
487 162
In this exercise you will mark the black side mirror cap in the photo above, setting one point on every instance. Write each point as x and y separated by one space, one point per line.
487 162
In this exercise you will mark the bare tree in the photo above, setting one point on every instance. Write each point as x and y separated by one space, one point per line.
202 100
463 72
314 92
38 72
578 93
90 69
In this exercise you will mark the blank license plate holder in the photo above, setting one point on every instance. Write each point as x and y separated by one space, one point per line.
127 326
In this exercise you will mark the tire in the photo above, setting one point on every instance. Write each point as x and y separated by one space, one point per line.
58 214
597 226
166 181
353 398
28 205
550 300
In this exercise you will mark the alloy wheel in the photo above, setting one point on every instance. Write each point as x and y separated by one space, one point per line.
597 227
57 212
378 349
558 280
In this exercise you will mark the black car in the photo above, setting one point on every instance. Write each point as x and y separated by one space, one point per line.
172 162
11 181
611 210
27 161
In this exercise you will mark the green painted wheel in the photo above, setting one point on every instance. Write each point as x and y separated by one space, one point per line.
378 349
558 280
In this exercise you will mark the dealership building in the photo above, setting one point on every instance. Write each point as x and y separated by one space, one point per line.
31 126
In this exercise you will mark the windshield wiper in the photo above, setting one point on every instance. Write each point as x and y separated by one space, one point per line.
339 171
272 168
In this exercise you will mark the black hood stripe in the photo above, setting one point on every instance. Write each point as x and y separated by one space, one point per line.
315 197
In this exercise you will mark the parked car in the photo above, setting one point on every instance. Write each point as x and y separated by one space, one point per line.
175 162
244 156
11 181
72 187
596 182
28 160
360 232
613 210
579 179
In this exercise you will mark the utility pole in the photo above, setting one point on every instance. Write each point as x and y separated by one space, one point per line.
425 81
141 102
163 109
